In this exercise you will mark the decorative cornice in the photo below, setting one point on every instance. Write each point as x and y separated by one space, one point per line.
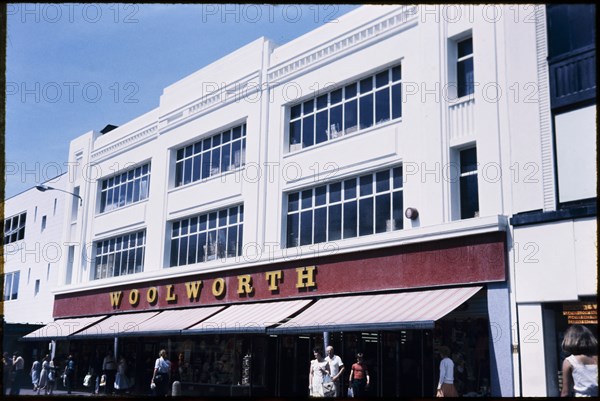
404 17
129 141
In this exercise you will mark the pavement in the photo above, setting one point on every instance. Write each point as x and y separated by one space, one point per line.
60 392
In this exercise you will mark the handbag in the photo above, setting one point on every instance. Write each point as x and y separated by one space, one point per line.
102 381
87 380
350 392
328 387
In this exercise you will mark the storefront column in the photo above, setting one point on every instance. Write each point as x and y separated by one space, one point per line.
531 348
116 349
325 342
501 366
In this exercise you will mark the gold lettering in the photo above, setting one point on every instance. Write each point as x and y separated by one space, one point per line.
193 290
115 299
306 277
218 287
273 278
171 296
134 297
151 295
245 284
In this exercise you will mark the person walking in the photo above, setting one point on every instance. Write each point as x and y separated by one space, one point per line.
121 380
34 373
70 374
580 369
43 379
19 368
445 386
319 368
336 367
52 368
95 370
109 368
359 379
160 376
7 372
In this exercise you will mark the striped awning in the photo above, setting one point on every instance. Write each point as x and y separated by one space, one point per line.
173 321
116 325
248 318
405 310
62 328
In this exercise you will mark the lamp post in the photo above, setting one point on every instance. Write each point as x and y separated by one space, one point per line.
44 188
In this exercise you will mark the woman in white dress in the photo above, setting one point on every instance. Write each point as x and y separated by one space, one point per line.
319 368
43 381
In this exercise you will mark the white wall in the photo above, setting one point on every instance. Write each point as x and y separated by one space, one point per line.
39 254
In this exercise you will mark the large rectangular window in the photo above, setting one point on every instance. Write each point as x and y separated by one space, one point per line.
207 236
469 193
14 228
465 78
355 207
119 256
217 154
125 188
11 285
373 100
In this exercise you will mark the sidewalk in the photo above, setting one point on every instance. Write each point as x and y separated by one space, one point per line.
58 393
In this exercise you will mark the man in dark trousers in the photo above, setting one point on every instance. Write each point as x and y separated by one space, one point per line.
70 373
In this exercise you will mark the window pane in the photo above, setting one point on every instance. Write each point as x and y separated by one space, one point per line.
240 240
308 130
202 223
335 222
194 224
184 227
226 136
236 154
350 188
465 47
206 164
295 132
366 111
296 111
366 85
398 210
232 241
469 201
309 106
233 215
293 201
366 216
396 101
102 203
336 96
179 174
350 219
211 246
139 260
201 247
335 121
129 192
350 91
196 167
322 102
212 220
335 192
293 230
366 185
350 116
183 248
397 73
382 105
187 171
15 285
216 140
320 195
382 213
468 160
320 225
322 126
383 181
192 245
465 77
189 150
307 199
397 177
306 227
382 78
215 161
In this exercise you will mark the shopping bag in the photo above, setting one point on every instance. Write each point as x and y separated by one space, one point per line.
87 380
350 392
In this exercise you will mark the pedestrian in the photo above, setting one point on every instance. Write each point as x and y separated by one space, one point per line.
43 379
580 369
70 373
445 386
121 380
95 370
109 368
19 369
52 368
336 367
160 376
34 373
319 369
359 379
7 372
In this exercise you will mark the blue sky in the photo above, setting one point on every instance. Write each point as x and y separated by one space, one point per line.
72 68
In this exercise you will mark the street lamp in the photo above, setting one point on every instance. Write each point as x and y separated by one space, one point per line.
44 188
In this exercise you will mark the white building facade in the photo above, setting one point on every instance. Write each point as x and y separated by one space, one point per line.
374 160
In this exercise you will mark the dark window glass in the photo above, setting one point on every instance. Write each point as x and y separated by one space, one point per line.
366 185
320 225
382 213
335 121
295 132
350 116
469 202
396 101
309 106
350 91
383 181
321 133
336 96
465 47
335 222
293 201
366 111
398 210
382 105
468 160
366 216
306 227
350 219
465 78
350 188
296 111
308 129
335 192
396 73
382 79
320 195
307 199
321 102
366 85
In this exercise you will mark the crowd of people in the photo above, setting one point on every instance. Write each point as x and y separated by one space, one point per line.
106 375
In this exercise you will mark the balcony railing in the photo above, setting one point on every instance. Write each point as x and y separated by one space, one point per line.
573 77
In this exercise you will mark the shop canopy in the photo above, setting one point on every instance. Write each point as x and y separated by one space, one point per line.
116 325
405 310
248 318
62 328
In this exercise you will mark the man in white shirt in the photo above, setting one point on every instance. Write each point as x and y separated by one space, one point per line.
337 368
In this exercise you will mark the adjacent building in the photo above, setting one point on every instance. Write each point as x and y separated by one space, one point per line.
366 185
